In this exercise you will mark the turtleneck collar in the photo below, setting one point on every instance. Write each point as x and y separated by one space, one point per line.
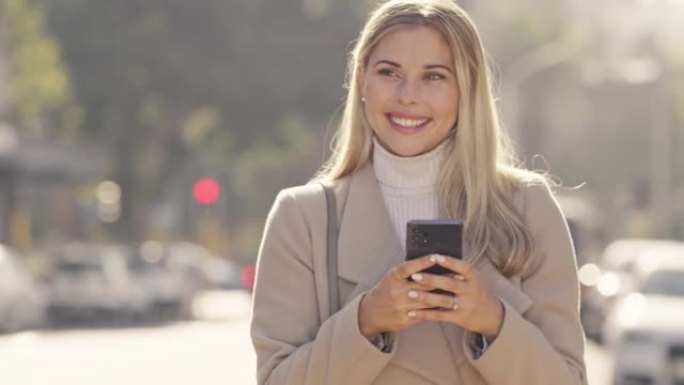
407 172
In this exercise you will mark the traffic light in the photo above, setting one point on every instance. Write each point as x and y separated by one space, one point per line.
206 191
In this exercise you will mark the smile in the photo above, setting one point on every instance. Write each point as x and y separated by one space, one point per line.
407 123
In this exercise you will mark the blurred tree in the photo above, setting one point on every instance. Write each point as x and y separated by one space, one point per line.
172 84
244 89
41 99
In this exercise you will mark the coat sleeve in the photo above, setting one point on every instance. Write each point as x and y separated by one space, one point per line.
545 345
291 344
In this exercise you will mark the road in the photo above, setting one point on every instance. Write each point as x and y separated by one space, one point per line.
214 350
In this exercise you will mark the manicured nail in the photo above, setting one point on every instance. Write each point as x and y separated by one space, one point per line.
413 294
433 258
417 277
412 314
441 258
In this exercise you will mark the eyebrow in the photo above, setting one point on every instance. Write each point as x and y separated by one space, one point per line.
427 66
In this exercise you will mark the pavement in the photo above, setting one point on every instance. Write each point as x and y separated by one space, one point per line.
212 350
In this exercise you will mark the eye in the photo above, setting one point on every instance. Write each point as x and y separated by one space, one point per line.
434 76
387 72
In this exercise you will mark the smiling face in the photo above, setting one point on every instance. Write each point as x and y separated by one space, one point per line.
410 90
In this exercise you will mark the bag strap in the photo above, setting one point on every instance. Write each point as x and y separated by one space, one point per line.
333 290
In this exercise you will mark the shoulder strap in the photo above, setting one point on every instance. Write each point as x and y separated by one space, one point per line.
333 290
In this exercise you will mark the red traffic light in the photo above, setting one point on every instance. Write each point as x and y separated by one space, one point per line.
206 191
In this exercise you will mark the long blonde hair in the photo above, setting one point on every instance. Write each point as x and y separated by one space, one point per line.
479 175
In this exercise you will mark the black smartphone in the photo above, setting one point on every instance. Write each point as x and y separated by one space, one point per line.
440 236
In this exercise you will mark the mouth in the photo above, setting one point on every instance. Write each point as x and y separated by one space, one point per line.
407 125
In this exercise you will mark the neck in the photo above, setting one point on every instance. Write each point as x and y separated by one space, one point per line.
408 172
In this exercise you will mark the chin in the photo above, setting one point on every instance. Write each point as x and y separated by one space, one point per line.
407 150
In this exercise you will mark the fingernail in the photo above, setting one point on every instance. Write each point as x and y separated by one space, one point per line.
412 314
441 258
459 277
417 277
413 294
433 258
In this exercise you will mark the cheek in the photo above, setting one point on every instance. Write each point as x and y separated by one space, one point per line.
377 92
447 103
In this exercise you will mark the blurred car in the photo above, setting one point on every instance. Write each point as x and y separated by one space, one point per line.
207 270
173 273
22 302
611 279
168 275
93 281
644 331
222 274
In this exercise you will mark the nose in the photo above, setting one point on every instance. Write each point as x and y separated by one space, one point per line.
407 91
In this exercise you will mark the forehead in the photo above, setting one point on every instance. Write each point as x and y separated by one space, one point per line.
413 44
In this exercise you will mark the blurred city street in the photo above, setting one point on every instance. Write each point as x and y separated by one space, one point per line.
213 350
142 146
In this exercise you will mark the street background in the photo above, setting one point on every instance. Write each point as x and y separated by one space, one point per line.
213 350
143 143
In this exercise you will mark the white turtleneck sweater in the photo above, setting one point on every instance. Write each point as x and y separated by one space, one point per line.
408 185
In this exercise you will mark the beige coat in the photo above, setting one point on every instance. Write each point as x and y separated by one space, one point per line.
540 343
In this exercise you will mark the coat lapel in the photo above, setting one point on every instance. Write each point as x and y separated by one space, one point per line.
367 245
503 287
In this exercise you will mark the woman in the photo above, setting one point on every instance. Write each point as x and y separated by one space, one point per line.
419 139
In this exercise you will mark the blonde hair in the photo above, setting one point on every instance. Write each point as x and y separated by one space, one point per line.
479 175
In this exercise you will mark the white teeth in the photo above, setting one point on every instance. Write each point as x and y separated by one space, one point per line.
408 122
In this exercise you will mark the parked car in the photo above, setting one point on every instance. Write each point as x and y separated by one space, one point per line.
169 279
206 269
644 331
22 302
222 274
93 281
615 269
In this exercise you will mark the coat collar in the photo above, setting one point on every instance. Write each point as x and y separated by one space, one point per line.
368 246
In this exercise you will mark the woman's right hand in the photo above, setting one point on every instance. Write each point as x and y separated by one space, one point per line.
385 307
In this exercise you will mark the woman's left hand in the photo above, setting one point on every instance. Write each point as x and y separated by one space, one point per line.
473 306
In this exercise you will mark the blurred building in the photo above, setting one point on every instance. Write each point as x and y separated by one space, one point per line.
596 94
39 187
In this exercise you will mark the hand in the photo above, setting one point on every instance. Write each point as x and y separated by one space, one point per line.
385 307
473 306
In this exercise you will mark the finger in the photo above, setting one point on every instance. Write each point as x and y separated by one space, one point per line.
430 300
403 296
400 292
462 268
444 282
411 285
407 268
441 315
